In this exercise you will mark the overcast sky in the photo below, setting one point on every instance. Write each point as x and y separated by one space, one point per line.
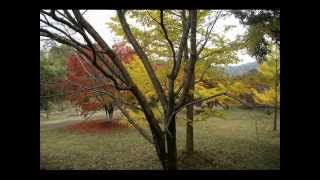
98 19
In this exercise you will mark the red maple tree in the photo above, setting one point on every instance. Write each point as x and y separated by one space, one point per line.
84 84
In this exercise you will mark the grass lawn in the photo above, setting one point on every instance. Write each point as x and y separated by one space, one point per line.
229 143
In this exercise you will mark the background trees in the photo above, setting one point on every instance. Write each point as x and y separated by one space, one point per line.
52 70
263 24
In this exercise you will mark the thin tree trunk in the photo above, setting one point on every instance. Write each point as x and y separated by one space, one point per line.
275 109
189 114
275 118
111 115
110 111
190 93
171 135
106 110
276 98
172 146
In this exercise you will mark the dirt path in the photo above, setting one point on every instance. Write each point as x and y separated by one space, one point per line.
64 121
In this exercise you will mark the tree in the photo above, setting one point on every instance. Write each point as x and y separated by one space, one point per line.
81 74
52 70
122 80
160 44
270 76
262 24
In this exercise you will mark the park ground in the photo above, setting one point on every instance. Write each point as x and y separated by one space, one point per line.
242 139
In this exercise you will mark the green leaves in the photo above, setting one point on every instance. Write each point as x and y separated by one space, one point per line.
261 23
52 69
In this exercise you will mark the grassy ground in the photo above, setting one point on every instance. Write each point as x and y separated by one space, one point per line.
230 143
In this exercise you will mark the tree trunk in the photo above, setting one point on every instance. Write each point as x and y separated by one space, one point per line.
158 135
107 112
171 135
190 94
189 114
110 111
275 109
276 97
275 118
172 146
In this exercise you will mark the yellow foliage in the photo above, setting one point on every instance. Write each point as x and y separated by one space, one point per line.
140 77
138 117
266 97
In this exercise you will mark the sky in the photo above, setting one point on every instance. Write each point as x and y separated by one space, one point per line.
98 19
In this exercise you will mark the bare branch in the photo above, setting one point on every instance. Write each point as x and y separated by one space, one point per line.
167 38
152 17
208 32
60 39
117 86
135 125
107 50
63 32
61 20
183 42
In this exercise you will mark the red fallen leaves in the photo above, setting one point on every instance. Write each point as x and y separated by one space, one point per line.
94 126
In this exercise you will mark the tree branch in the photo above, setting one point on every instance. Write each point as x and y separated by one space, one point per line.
135 125
188 104
117 86
152 17
103 92
143 58
208 32
167 38
191 66
183 43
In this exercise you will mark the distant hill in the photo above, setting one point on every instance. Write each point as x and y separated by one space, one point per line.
241 69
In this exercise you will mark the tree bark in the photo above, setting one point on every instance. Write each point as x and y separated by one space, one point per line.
171 133
190 93
106 110
157 133
276 97
275 118
275 108
189 114
171 145
110 111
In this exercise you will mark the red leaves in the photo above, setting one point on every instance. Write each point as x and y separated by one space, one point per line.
90 106
94 126
79 78
77 81
124 51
